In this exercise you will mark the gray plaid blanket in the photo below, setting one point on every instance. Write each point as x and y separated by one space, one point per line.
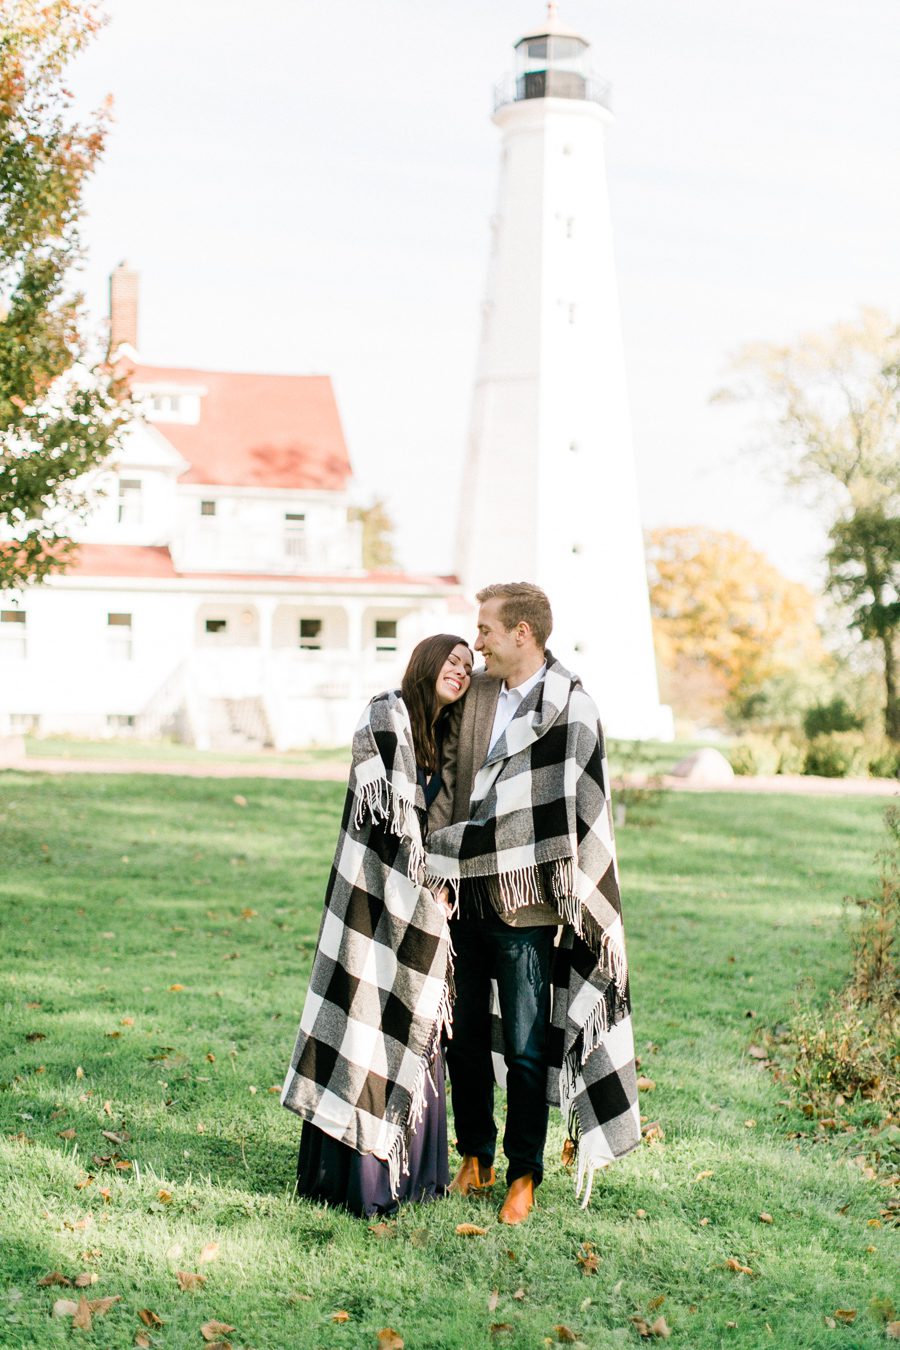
540 827
380 991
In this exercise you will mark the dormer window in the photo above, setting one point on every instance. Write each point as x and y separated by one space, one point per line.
164 405
207 508
130 501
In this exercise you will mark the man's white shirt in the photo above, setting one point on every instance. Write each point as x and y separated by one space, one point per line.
509 702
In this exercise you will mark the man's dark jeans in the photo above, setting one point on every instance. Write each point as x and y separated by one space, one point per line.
519 959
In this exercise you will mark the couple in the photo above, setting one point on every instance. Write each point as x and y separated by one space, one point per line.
491 789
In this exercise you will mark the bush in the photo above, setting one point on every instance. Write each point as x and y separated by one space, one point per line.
836 755
791 754
884 761
754 754
823 718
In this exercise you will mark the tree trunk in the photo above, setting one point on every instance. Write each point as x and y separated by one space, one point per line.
892 703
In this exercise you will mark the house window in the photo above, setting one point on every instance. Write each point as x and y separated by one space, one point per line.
385 635
165 404
295 534
129 501
24 724
13 641
207 508
216 627
311 635
119 636
120 722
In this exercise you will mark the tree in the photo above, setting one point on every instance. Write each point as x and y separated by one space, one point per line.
377 532
725 620
61 410
831 413
864 571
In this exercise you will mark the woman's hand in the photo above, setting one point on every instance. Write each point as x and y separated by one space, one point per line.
442 898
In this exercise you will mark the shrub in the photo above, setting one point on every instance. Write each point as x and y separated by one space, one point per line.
791 754
884 761
837 715
754 754
835 755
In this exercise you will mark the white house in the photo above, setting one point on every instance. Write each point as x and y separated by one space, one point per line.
219 594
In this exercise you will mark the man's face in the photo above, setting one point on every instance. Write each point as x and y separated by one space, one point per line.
497 644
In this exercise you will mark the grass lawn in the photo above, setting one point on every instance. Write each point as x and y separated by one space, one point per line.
157 938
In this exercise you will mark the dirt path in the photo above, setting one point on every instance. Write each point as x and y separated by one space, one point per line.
336 772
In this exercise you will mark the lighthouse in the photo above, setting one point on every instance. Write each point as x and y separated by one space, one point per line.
549 491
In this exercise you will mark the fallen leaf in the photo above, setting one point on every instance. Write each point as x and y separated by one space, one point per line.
641 1326
382 1230
892 1331
704 1222
82 1317
498 1328
142 1340
189 1282
660 1329
86 1278
846 1315
656 1303
55 1277
640 1214
701 1176
175 988
149 1318
121 1137
733 1264
99 1306
85 1181
341 1316
213 1330
749 1124
757 1052
653 1131
239 800
469 1230
589 1262
64 1307
766 1218
519 1295
210 1253
79 1072
164 1197
389 1339
67 1134
565 1335
493 1300
569 1152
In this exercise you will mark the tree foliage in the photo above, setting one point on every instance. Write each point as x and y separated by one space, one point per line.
831 410
61 410
725 620
377 534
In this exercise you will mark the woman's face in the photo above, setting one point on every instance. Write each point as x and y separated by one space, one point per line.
455 675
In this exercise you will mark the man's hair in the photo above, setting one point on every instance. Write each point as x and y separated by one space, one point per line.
521 602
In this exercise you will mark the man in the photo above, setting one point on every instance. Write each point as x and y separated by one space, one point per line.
530 848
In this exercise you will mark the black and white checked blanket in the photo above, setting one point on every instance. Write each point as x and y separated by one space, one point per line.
540 828
380 991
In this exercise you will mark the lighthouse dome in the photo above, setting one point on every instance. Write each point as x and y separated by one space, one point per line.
552 61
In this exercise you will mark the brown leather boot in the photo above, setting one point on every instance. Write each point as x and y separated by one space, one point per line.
472 1178
519 1200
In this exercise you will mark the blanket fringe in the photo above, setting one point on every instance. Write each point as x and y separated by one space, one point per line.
398 1158
381 800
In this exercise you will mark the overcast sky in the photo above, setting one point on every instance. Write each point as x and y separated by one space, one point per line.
306 187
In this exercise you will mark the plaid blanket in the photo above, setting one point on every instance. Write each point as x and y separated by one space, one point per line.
540 828
380 991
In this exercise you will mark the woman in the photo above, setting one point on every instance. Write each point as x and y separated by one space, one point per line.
366 1073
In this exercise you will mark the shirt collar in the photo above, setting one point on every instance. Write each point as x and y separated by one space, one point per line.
524 689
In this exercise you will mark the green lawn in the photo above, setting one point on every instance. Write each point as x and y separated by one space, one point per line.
157 937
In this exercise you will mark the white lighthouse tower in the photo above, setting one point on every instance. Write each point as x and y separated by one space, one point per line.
549 492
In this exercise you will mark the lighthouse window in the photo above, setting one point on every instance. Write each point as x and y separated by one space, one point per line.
216 627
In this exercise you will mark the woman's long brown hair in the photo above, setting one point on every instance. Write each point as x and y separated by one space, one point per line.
419 693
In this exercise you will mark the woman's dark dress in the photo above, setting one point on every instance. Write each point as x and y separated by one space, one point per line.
335 1174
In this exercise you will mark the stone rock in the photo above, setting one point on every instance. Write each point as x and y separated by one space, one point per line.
709 767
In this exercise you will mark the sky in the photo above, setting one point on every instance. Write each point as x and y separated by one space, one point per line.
307 187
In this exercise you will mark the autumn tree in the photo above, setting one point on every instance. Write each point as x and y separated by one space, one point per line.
830 407
725 620
61 410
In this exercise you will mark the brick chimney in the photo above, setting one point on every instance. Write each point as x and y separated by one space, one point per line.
123 307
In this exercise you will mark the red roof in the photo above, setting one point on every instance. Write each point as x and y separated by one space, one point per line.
143 561
275 431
